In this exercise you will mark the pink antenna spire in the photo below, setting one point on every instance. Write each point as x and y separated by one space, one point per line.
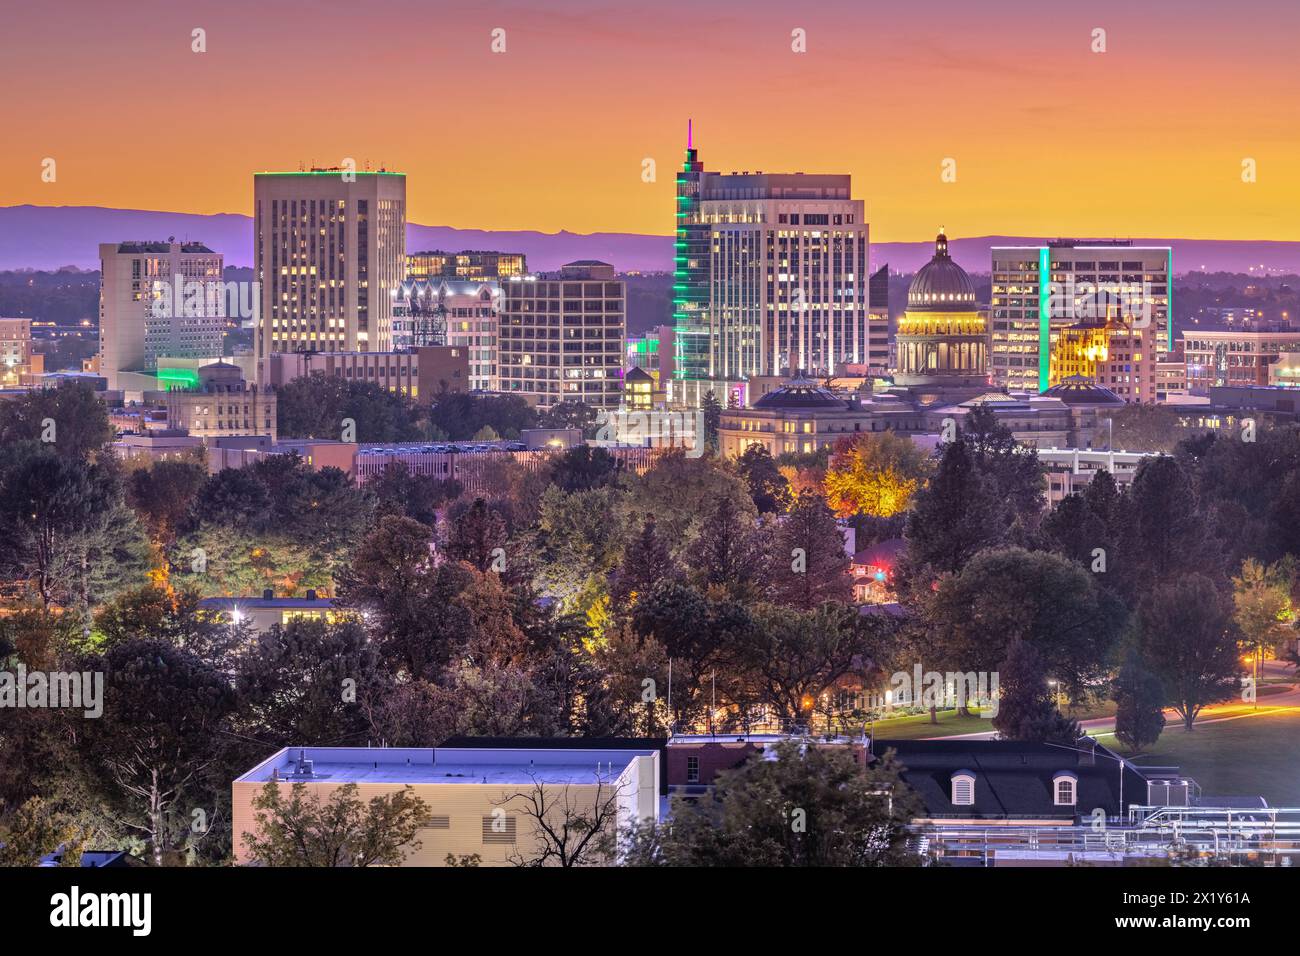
688 134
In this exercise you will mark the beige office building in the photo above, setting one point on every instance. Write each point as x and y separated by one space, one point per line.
331 254
157 299
561 336
222 404
475 798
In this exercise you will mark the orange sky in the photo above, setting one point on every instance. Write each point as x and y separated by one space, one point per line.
1049 138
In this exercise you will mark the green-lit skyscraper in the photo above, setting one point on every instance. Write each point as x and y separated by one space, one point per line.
690 283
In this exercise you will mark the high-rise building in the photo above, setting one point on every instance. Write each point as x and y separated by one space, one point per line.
1038 290
561 336
157 299
470 264
331 254
770 279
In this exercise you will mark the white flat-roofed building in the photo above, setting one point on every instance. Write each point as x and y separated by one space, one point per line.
475 797
157 299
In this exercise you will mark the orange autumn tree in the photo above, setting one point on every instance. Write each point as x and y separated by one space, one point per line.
874 473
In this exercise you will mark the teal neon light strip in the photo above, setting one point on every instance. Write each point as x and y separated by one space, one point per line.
1044 317
1169 299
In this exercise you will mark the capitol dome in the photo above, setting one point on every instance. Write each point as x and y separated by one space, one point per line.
941 285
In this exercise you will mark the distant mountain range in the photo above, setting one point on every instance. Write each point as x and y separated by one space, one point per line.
49 237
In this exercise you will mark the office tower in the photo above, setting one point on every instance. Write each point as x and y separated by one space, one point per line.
691 336
331 254
470 264
771 278
157 299
561 336
878 322
1037 290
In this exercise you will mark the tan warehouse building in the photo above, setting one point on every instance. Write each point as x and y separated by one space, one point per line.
475 797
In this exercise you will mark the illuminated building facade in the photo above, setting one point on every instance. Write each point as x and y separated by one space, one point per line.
941 339
653 352
770 279
331 253
16 355
1038 290
222 404
157 299
691 337
561 336
1114 353
468 265
1236 357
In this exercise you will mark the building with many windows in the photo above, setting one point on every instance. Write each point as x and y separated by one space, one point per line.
157 299
771 278
1236 357
1114 353
561 336
330 247
419 374
452 312
222 404
16 355
470 265
1038 290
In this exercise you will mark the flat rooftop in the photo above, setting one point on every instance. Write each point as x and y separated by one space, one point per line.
444 765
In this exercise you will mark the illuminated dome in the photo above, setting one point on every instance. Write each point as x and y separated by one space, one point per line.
801 393
941 285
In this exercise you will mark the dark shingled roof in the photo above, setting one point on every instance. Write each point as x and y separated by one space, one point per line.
1013 778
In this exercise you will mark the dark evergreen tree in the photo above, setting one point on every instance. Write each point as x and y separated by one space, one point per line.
1140 704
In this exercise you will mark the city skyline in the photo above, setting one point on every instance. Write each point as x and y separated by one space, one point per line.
1172 109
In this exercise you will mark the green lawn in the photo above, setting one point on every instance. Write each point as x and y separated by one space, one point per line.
1249 756
918 725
